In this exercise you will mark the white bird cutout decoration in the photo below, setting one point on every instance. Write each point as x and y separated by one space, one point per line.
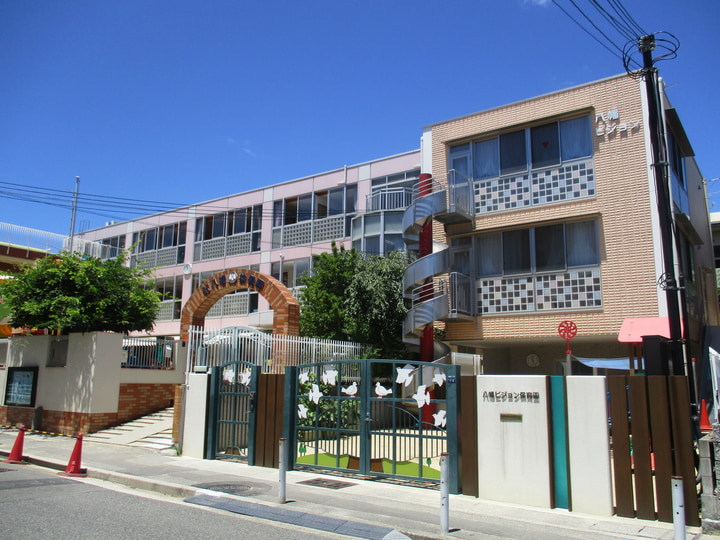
229 375
380 390
245 377
302 411
421 396
350 390
304 376
440 418
439 377
404 375
329 377
315 394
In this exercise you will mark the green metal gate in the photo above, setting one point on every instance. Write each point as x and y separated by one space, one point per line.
385 418
231 426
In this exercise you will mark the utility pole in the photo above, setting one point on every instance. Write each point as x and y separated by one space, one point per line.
646 45
74 212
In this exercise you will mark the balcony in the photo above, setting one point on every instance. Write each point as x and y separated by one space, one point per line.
389 199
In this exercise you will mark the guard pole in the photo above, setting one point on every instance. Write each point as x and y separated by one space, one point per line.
282 487
678 502
444 493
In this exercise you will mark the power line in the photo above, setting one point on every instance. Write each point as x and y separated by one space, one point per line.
623 24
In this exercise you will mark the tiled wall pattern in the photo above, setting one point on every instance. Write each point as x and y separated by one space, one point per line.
568 182
568 290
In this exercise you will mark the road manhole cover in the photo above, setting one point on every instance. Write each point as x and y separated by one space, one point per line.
245 489
326 483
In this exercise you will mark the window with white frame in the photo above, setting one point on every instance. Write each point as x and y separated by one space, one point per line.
313 217
545 145
112 246
171 235
540 249
170 290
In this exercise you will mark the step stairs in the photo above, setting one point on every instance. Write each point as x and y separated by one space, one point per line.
151 431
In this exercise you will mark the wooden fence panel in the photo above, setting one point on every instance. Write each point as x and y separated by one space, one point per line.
620 432
661 443
651 443
640 426
269 415
684 450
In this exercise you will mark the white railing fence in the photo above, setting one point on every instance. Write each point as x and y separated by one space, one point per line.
272 352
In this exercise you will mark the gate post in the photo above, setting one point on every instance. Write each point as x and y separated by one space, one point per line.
290 414
453 396
215 377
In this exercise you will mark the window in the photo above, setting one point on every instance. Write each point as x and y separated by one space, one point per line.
113 246
321 205
209 227
239 221
677 164
304 207
172 235
518 151
489 254
545 145
548 248
575 138
513 154
516 251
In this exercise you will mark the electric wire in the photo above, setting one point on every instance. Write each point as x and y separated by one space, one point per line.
625 14
617 19
621 26
586 30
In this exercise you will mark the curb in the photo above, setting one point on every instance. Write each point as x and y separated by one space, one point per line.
184 492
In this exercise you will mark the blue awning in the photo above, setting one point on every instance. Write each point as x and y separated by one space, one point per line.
607 363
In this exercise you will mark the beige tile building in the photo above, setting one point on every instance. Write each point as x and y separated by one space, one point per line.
565 227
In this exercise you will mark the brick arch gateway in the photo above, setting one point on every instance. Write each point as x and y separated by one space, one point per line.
286 308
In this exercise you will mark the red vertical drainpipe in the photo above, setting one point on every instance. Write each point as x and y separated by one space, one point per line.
425 248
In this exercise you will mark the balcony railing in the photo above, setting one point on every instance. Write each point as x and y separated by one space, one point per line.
389 199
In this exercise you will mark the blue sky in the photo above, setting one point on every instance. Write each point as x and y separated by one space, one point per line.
184 101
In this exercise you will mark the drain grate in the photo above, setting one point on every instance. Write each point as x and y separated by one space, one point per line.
6 470
326 483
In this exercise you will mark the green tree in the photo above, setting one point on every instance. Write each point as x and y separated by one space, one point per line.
355 298
74 293
375 308
322 301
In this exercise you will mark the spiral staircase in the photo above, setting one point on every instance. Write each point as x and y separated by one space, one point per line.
437 292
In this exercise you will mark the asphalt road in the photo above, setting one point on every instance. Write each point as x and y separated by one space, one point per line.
36 503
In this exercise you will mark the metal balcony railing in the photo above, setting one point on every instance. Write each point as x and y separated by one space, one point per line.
389 199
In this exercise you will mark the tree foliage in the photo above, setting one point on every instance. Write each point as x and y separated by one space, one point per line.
74 293
355 298
374 306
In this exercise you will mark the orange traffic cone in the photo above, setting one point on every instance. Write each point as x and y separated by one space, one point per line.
73 467
17 449
704 418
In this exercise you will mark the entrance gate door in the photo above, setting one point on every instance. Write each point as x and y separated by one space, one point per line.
386 418
231 426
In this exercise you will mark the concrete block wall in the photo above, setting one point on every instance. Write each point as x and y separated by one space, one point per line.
709 468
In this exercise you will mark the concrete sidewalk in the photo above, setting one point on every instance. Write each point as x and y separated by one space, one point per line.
347 506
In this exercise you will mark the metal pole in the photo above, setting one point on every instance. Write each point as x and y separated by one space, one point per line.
74 211
444 493
678 502
568 363
282 488
646 45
